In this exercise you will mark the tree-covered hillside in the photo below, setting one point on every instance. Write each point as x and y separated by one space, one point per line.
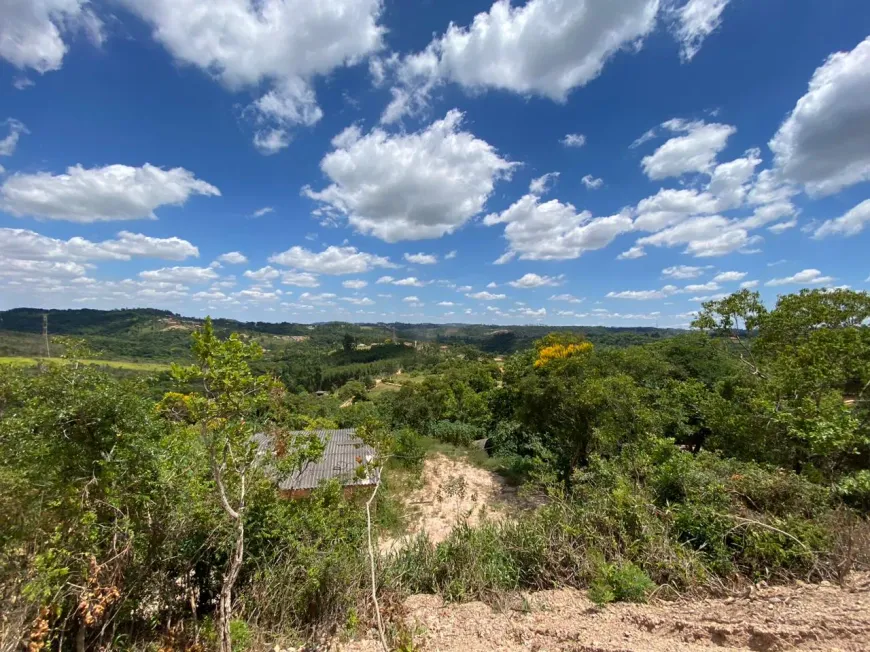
144 333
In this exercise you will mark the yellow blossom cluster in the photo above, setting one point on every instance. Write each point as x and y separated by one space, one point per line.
560 351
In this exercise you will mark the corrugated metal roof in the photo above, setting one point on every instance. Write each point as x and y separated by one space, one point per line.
343 454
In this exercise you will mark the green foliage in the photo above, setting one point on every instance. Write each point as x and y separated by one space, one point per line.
84 496
306 562
241 635
651 515
456 433
354 389
855 489
809 359
408 449
678 459
620 582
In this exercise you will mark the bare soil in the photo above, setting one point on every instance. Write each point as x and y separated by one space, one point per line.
800 616
795 617
453 491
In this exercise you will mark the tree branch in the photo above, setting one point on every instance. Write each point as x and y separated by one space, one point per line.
218 478
372 563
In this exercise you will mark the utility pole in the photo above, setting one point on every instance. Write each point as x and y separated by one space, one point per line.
45 334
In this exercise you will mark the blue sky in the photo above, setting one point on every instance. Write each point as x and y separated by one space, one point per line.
529 162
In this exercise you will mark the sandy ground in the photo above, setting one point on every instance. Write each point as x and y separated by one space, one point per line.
797 617
452 491
770 619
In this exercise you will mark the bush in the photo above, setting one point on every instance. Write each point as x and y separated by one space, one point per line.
620 582
355 389
456 433
307 563
651 515
409 450
855 490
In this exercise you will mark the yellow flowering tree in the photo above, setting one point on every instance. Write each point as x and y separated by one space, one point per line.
559 346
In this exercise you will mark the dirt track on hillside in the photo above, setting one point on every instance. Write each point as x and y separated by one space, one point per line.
797 617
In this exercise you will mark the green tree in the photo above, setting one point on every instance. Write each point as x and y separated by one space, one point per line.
234 406
83 499
810 357
302 369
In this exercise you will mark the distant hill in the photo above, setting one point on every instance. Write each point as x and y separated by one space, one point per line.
150 334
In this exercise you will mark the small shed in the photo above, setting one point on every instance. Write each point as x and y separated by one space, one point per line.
343 455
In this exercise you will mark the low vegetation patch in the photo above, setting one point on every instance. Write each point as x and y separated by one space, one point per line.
735 454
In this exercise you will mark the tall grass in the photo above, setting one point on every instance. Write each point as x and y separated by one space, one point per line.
681 521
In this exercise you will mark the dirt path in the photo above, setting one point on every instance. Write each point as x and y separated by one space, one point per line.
454 490
799 617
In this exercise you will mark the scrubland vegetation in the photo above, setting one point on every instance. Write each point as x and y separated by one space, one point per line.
133 518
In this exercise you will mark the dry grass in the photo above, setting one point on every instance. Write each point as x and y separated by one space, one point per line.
21 361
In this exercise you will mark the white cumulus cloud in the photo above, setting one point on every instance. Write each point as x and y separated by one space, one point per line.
282 45
632 253
543 184
332 260
24 244
359 301
180 275
727 277
10 142
233 258
592 183
486 296
824 143
411 281
694 151
682 271
536 281
570 298
421 259
695 21
573 140
556 231
35 33
263 274
804 277
852 223
300 279
410 186
703 237
544 47
114 192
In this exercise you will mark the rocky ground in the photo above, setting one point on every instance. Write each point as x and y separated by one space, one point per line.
797 617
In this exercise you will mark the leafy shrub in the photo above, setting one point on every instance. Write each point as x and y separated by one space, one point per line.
409 450
855 490
355 389
783 547
651 515
241 635
620 582
307 562
456 433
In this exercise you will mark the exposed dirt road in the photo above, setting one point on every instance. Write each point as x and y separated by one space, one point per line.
800 617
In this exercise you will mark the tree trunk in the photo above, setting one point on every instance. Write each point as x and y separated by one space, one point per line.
225 606
80 637
226 598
